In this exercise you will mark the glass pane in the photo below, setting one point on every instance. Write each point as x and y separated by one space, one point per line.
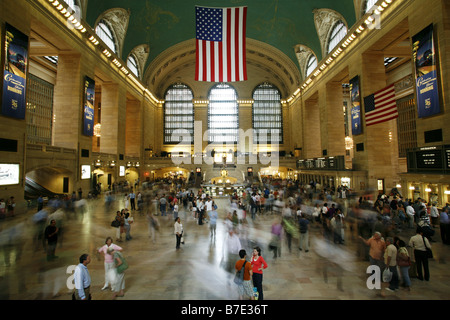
338 33
267 115
178 114
223 114
132 65
106 35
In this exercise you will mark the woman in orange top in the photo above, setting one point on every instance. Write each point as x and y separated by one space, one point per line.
258 264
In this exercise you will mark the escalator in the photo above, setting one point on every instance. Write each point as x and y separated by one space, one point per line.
33 190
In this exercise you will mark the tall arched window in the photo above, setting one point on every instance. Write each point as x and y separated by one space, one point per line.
337 34
132 64
267 115
178 114
311 65
105 33
369 4
223 114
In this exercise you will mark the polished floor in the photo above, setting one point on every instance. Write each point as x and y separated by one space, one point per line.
196 272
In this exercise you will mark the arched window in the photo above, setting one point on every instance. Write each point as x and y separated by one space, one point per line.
337 34
223 114
311 65
104 31
267 115
179 114
132 64
368 5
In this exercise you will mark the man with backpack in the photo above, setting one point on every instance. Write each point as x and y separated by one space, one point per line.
243 276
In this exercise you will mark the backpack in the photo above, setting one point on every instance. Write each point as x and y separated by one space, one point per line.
239 277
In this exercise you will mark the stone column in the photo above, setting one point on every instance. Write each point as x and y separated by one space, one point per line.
380 142
332 122
68 102
133 128
311 123
113 119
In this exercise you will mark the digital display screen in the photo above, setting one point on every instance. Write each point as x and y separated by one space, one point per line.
85 172
9 174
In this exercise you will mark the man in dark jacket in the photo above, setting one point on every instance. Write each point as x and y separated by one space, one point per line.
51 234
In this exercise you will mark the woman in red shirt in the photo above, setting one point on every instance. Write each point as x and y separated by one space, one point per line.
258 264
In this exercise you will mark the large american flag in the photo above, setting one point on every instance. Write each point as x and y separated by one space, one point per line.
221 45
381 106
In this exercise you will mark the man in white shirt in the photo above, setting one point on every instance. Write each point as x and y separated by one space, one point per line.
410 214
420 244
390 256
82 279
233 246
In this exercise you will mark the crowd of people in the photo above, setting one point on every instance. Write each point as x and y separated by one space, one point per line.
383 226
295 209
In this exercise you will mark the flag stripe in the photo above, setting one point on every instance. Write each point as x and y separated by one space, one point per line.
381 106
244 44
221 50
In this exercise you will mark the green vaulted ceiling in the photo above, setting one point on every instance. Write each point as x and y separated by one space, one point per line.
164 23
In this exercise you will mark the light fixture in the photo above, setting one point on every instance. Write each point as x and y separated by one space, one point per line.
97 130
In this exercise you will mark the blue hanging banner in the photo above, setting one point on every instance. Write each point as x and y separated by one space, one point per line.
355 106
15 73
88 115
426 73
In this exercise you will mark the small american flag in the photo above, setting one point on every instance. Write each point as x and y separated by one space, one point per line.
221 44
381 106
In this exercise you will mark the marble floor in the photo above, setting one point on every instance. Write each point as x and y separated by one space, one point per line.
160 272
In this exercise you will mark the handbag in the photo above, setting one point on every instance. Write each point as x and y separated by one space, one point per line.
115 224
387 275
239 276
429 251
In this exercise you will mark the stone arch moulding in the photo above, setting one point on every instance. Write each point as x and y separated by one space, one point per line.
119 19
359 8
303 53
259 54
324 20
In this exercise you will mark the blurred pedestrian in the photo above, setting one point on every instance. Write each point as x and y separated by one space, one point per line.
303 224
51 235
444 225
233 246
153 226
109 260
178 232
213 216
11 206
391 263
404 263
275 242
117 274
420 244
